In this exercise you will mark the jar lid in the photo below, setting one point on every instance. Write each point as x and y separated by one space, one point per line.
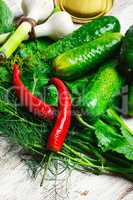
83 11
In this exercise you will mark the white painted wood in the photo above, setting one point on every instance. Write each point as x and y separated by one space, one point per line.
15 182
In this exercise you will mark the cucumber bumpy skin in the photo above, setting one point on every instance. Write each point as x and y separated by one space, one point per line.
78 61
85 33
101 91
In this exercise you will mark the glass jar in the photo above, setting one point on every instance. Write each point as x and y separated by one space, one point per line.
83 11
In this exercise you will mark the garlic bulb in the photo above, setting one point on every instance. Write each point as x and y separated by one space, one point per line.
57 26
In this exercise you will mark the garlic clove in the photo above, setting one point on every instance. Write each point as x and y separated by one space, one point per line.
57 26
38 10
42 30
61 25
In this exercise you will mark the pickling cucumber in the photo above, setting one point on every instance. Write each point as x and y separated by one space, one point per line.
85 33
126 55
101 91
78 61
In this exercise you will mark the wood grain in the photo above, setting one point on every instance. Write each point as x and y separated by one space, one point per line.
15 182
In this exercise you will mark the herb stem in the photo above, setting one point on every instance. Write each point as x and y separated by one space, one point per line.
80 119
78 155
24 120
47 161
120 120
37 146
34 84
73 159
87 147
34 150
103 169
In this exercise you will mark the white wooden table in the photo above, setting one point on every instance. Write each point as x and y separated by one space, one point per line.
15 182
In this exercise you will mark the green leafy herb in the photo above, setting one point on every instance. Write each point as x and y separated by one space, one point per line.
110 139
6 18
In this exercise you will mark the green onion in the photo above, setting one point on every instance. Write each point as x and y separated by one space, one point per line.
33 10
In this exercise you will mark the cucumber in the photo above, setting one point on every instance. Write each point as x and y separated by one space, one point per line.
85 33
126 54
78 61
101 91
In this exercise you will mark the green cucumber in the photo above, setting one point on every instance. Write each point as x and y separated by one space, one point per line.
126 54
85 33
78 61
101 91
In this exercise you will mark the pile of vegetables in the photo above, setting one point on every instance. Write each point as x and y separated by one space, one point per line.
64 105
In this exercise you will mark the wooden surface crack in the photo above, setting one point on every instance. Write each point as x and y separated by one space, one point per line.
125 193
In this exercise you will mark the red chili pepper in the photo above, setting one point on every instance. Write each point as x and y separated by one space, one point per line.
32 103
62 124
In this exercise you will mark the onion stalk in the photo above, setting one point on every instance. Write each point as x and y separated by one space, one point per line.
35 12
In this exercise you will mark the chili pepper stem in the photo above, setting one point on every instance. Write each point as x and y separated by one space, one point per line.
21 34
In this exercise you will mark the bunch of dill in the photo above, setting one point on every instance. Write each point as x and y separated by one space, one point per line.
80 150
